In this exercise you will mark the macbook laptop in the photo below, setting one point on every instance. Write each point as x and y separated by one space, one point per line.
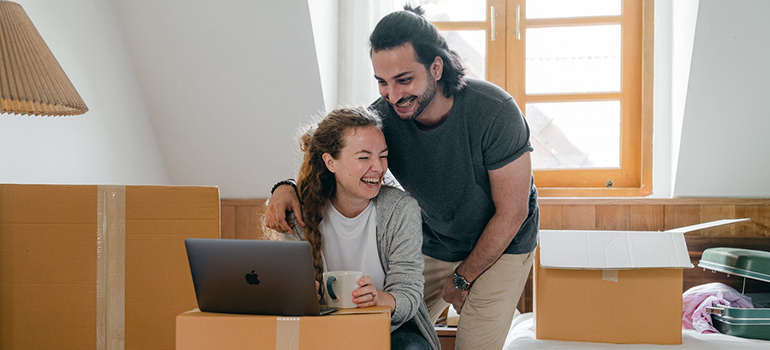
254 277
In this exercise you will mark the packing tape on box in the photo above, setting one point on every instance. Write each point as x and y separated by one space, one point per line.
287 333
110 267
610 275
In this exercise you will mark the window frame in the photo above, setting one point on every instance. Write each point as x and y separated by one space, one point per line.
505 68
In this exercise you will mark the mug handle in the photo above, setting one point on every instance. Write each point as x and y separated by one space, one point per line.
329 287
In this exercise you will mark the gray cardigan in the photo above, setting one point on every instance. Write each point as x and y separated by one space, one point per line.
399 244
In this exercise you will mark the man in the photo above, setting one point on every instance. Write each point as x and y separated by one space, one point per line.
461 148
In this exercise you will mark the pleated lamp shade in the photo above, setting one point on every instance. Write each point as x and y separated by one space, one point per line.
31 80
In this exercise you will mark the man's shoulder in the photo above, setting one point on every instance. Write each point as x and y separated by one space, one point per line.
484 90
484 101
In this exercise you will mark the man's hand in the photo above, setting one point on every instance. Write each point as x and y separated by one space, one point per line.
284 199
453 295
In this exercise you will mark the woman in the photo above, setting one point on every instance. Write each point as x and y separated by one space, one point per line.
354 222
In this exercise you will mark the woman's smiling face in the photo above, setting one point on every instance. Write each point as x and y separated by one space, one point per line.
360 166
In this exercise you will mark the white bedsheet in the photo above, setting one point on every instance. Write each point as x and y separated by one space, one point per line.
522 336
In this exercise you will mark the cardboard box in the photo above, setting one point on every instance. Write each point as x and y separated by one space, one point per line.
611 286
352 329
91 267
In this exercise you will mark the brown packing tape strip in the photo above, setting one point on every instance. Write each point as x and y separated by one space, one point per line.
110 267
287 333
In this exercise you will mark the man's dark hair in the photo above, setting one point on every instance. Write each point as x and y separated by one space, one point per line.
410 26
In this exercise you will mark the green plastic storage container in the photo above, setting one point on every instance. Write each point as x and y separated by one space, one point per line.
754 264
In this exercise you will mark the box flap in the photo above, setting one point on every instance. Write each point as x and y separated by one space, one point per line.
574 249
706 225
618 250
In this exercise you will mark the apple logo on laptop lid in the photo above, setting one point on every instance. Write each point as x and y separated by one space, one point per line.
252 278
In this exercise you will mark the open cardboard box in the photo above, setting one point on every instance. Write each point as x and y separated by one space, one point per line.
353 329
612 286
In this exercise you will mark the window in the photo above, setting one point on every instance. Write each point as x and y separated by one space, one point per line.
580 70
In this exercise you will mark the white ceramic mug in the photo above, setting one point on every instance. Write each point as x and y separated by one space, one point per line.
339 286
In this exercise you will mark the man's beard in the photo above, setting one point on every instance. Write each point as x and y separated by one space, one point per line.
423 101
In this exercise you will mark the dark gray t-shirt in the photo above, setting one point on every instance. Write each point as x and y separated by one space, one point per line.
445 169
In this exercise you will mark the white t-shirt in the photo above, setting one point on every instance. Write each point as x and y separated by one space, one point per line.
350 244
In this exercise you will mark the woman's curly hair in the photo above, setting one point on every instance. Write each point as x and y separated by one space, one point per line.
315 183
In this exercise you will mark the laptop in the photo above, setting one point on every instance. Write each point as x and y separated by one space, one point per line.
254 277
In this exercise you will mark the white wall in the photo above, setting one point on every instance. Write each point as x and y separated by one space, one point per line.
662 100
227 83
324 15
114 142
674 29
685 14
727 114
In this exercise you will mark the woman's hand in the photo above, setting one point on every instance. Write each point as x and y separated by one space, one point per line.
366 295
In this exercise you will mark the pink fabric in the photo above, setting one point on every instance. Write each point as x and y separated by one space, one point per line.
696 299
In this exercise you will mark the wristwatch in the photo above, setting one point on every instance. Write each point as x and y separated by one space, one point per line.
460 282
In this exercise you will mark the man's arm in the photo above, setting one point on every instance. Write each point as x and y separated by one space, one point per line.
284 199
510 193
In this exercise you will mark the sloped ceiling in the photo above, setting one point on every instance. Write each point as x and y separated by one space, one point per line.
226 85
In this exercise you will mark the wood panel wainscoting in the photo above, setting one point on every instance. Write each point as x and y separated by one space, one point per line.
242 219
